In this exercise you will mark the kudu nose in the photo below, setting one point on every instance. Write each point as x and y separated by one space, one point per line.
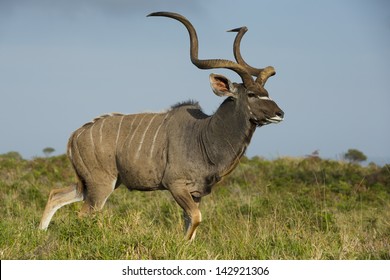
280 114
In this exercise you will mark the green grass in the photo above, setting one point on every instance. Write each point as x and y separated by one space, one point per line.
282 209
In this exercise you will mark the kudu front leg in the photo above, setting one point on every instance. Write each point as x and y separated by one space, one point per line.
190 205
188 221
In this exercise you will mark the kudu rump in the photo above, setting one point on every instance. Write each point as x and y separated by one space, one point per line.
182 150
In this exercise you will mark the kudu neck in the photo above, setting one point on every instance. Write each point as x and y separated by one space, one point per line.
227 135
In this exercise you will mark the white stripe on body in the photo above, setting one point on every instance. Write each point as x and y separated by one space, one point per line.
133 135
155 135
135 130
81 132
101 131
91 137
121 150
76 148
131 127
143 137
119 130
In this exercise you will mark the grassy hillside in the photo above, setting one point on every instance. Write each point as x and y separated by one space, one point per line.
282 209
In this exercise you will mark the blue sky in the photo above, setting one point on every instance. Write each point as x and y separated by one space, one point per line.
64 62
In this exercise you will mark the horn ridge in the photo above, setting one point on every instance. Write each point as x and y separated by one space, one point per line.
262 74
207 63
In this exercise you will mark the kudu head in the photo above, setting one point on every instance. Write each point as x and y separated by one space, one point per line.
251 93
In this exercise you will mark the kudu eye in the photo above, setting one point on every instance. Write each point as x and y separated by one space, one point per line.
251 95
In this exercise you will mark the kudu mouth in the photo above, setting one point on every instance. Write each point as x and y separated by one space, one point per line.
275 119
279 116
266 121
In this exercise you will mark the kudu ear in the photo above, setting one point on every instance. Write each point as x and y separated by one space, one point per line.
222 86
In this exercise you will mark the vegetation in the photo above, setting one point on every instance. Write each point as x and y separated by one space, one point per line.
355 156
288 208
48 151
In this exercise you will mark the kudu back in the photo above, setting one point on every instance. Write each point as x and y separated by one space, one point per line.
182 150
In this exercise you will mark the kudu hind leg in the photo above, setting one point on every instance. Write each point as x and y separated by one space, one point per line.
96 196
57 199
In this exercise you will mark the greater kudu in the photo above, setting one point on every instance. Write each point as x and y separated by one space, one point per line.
182 150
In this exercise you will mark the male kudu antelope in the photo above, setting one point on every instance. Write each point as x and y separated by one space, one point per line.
182 150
